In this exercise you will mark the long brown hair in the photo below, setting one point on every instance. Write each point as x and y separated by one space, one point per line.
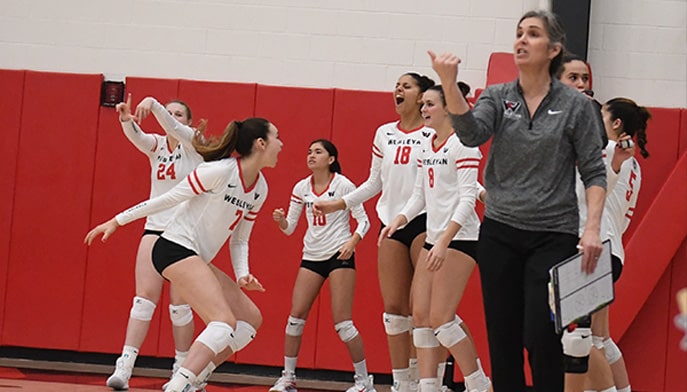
238 136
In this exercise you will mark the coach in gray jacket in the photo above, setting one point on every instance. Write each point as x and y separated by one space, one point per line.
541 130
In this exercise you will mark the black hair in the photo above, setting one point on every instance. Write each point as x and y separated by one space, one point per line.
634 119
334 167
422 81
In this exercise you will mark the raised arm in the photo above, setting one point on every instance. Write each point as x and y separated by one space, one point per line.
144 142
172 127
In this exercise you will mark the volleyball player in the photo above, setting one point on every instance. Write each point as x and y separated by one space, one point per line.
219 200
172 157
446 187
328 253
395 150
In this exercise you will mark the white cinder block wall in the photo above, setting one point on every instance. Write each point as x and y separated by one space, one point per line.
638 48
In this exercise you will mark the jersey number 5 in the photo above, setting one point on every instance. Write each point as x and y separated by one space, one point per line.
164 173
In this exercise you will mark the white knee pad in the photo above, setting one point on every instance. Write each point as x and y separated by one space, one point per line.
346 331
577 343
613 353
180 314
294 326
424 338
450 333
244 334
142 309
598 342
395 324
216 336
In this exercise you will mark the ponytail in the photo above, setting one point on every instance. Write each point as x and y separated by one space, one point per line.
215 148
634 119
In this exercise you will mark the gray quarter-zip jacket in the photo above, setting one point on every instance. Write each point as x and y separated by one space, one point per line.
530 172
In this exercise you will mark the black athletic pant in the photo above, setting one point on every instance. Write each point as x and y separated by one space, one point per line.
514 267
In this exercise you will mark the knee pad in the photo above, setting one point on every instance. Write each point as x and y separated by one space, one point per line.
450 333
180 314
424 338
294 326
395 324
346 331
576 347
216 336
142 309
244 334
612 351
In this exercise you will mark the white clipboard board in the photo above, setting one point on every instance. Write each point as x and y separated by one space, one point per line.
574 294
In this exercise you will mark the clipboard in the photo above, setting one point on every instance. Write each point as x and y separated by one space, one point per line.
574 294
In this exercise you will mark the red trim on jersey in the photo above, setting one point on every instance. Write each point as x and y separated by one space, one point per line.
434 137
200 184
467 163
154 147
377 152
312 185
193 188
296 198
251 219
398 126
243 184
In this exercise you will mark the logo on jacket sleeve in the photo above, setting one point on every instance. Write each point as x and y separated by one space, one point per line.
510 109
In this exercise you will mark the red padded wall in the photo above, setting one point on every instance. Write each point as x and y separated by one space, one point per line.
122 179
51 210
301 115
218 103
663 145
12 83
647 338
683 130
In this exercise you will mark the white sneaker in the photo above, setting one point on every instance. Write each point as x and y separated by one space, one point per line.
285 383
362 384
119 380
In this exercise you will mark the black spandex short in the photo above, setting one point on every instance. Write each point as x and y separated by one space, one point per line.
413 229
152 232
467 247
617 267
166 253
324 268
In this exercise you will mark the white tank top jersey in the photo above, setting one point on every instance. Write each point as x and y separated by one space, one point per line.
326 234
219 206
621 201
446 186
393 169
168 167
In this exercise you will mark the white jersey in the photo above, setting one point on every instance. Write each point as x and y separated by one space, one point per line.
219 206
446 186
169 167
326 234
621 202
581 191
393 169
